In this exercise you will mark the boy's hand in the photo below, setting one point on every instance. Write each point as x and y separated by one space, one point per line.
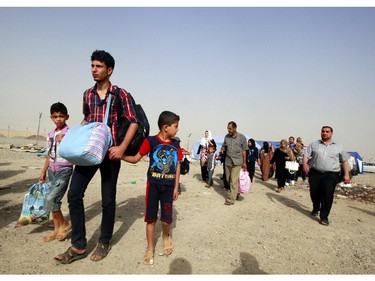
59 137
115 153
175 194
42 177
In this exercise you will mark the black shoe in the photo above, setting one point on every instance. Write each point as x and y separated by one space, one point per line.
314 213
324 222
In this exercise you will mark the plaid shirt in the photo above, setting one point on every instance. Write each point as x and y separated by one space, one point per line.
94 108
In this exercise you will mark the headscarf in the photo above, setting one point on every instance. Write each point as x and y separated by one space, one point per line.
287 150
266 147
204 141
252 141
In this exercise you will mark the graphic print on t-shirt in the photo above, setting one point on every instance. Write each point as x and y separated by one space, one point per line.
164 162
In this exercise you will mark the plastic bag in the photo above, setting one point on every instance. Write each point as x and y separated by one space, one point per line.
244 182
291 166
33 205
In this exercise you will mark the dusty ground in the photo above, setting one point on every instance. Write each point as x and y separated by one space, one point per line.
263 233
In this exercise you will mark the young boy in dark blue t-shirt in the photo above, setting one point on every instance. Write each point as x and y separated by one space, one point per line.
162 179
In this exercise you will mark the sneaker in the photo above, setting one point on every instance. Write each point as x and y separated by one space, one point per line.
292 183
324 222
314 213
286 184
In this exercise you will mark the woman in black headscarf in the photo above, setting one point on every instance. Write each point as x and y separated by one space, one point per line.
252 156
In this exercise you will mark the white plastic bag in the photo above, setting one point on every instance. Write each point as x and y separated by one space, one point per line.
291 166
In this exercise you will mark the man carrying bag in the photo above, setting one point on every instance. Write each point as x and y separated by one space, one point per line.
95 102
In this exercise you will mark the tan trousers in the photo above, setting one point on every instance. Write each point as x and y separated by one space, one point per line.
232 174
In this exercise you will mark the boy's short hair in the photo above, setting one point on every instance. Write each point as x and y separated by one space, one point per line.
103 56
167 118
59 107
213 146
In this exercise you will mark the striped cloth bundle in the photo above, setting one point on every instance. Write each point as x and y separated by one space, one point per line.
87 144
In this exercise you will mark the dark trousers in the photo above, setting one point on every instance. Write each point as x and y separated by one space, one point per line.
81 177
291 176
281 176
226 184
204 173
322 189
301 173
251 169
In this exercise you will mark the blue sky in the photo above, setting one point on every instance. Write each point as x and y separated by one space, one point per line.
275 71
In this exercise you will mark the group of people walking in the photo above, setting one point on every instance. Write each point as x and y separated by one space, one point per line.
323 162
273 161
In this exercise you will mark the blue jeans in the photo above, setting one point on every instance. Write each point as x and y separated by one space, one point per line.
58 182
82 176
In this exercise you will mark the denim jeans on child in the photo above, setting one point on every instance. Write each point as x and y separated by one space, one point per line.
58 182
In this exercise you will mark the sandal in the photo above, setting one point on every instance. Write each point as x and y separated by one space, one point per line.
50 237
168 246
69 256
100 252
64 231
149 258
